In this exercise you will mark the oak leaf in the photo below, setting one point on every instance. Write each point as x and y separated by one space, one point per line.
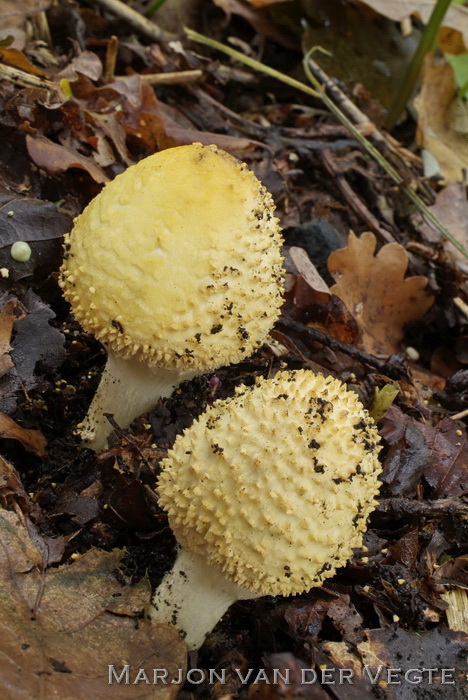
374 290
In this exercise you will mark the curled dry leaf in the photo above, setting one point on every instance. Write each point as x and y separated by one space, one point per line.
10 311
32 440
450 207
11 487
448 147
54 158
309 300
17 59
376 293
58 638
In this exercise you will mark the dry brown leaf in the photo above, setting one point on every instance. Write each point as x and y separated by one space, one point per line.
258 16
11 487
11 311
58 638
14 13
13 57
374 290
456 16
309 299
57 159
32 440
451 207
448 147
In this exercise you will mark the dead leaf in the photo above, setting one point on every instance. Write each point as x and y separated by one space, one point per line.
346 619
13 57
14 14
405 551
376 293
58 638
54 158
448 473
12 489
258 17
37 222
408 454
454 571
438 648
387 649
456 16
448 147
451 207
32 440
310 301
86 63
308 270
35 340
10 311
437 453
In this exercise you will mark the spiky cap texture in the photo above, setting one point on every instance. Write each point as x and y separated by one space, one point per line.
177 261
274 486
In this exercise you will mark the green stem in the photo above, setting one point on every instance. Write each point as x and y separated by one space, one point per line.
155 5
427 41
320 93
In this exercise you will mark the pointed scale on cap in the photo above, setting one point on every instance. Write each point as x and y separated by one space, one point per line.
177 262
273 487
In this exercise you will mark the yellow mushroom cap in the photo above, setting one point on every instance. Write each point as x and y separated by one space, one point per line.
177 261
274 486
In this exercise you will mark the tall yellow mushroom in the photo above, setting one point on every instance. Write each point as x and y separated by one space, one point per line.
267 494
176 267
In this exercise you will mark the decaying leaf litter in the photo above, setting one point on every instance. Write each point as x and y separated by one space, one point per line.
372 297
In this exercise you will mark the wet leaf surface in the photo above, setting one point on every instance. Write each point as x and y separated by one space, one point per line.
37 222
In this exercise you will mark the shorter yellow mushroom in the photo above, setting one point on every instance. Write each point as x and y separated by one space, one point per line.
268 493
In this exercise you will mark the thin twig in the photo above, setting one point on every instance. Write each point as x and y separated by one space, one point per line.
21 77
320 93
135 20
386 144
459 416
111 59
355 203
174 78
437 508
288 325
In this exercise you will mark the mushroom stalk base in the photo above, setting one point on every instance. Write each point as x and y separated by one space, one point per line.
127 389
193 597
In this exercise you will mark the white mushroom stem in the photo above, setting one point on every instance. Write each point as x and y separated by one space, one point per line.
127 389
193 597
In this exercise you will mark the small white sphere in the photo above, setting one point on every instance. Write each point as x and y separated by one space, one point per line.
20 251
